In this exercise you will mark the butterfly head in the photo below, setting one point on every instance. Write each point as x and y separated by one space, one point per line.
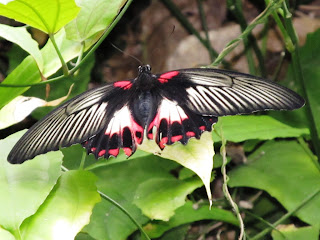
144 69
145 79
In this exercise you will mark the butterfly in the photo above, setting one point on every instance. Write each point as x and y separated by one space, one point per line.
169 107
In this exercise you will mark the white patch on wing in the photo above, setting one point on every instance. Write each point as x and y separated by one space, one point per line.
121 119
170 111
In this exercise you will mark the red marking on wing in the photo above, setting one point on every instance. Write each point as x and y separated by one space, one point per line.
101 153
190 134
114 152
176 138
93 149
202 128
123 84
163 141
150 136
127 151
167 76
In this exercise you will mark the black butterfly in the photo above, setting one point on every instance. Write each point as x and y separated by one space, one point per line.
180 104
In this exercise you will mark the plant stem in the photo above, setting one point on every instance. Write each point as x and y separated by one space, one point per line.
125 212
83 60
63 63
225 187
299 76
119 207
104 35
235 7
205 29
83 160
188 26
271 7
286 216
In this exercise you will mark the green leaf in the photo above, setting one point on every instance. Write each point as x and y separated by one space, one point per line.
68 49
290 232
188 213
24 187
197 155
94 17
61 88
48 16
310 60
21 37
26 73
241 128
66 210
170 194
120 182
6 235
286 172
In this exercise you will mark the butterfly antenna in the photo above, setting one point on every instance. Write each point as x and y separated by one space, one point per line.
127 54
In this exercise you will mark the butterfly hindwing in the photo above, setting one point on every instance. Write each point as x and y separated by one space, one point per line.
121 131
220 92
173 123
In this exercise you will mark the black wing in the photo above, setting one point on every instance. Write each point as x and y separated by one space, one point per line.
94 115
216 92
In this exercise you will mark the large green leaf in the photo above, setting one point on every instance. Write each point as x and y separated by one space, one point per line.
310 60
66 210
79 84
21 37
48 16
94 17
170 194
27 72
286 172
121 181
6 235
23 188
241 128
189 214
197 156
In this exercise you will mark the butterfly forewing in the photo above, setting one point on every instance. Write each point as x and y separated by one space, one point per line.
219 92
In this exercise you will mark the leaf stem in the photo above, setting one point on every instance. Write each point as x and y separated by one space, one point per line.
125 212
63 63
225 186
83 160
